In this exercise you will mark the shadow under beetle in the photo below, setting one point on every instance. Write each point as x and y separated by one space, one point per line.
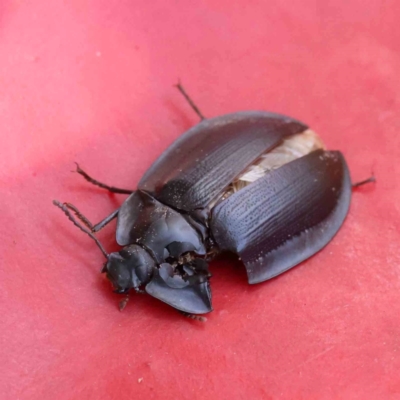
255 183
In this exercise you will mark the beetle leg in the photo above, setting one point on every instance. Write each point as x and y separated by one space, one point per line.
112 189
192 316
365 181
122 304
189 100
105 221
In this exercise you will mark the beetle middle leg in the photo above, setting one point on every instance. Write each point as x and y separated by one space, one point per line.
189 100
112 189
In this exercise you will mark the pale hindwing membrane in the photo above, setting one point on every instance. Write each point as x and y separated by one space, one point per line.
294 147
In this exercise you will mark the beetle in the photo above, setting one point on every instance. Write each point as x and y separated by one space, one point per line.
258 184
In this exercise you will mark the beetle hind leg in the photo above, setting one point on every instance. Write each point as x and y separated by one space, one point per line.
371 179
190 101
95 182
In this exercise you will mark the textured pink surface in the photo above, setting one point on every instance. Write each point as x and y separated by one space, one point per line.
91 81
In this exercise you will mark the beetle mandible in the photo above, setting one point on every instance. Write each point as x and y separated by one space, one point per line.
254 183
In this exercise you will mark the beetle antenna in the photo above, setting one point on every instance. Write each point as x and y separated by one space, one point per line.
192 316
80 216
189 100
65 208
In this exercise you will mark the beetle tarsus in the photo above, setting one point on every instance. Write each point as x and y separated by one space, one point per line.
65 208
189 100
193 316
371 179
112 189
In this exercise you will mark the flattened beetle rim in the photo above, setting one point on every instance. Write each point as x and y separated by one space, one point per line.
269 263
318 241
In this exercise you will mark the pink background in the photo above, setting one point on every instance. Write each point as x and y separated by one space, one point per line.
91 81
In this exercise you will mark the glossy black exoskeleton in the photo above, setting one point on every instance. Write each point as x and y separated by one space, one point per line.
254 183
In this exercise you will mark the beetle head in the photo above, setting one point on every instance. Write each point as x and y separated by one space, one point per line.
129 268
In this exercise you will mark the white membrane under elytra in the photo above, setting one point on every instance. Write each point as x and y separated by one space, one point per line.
294 147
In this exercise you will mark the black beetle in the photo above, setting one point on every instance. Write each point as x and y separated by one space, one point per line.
258 184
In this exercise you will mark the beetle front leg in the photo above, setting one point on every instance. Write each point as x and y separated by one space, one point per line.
111 189
105 221
122 304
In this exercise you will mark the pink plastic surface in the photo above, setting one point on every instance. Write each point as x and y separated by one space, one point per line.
92 82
